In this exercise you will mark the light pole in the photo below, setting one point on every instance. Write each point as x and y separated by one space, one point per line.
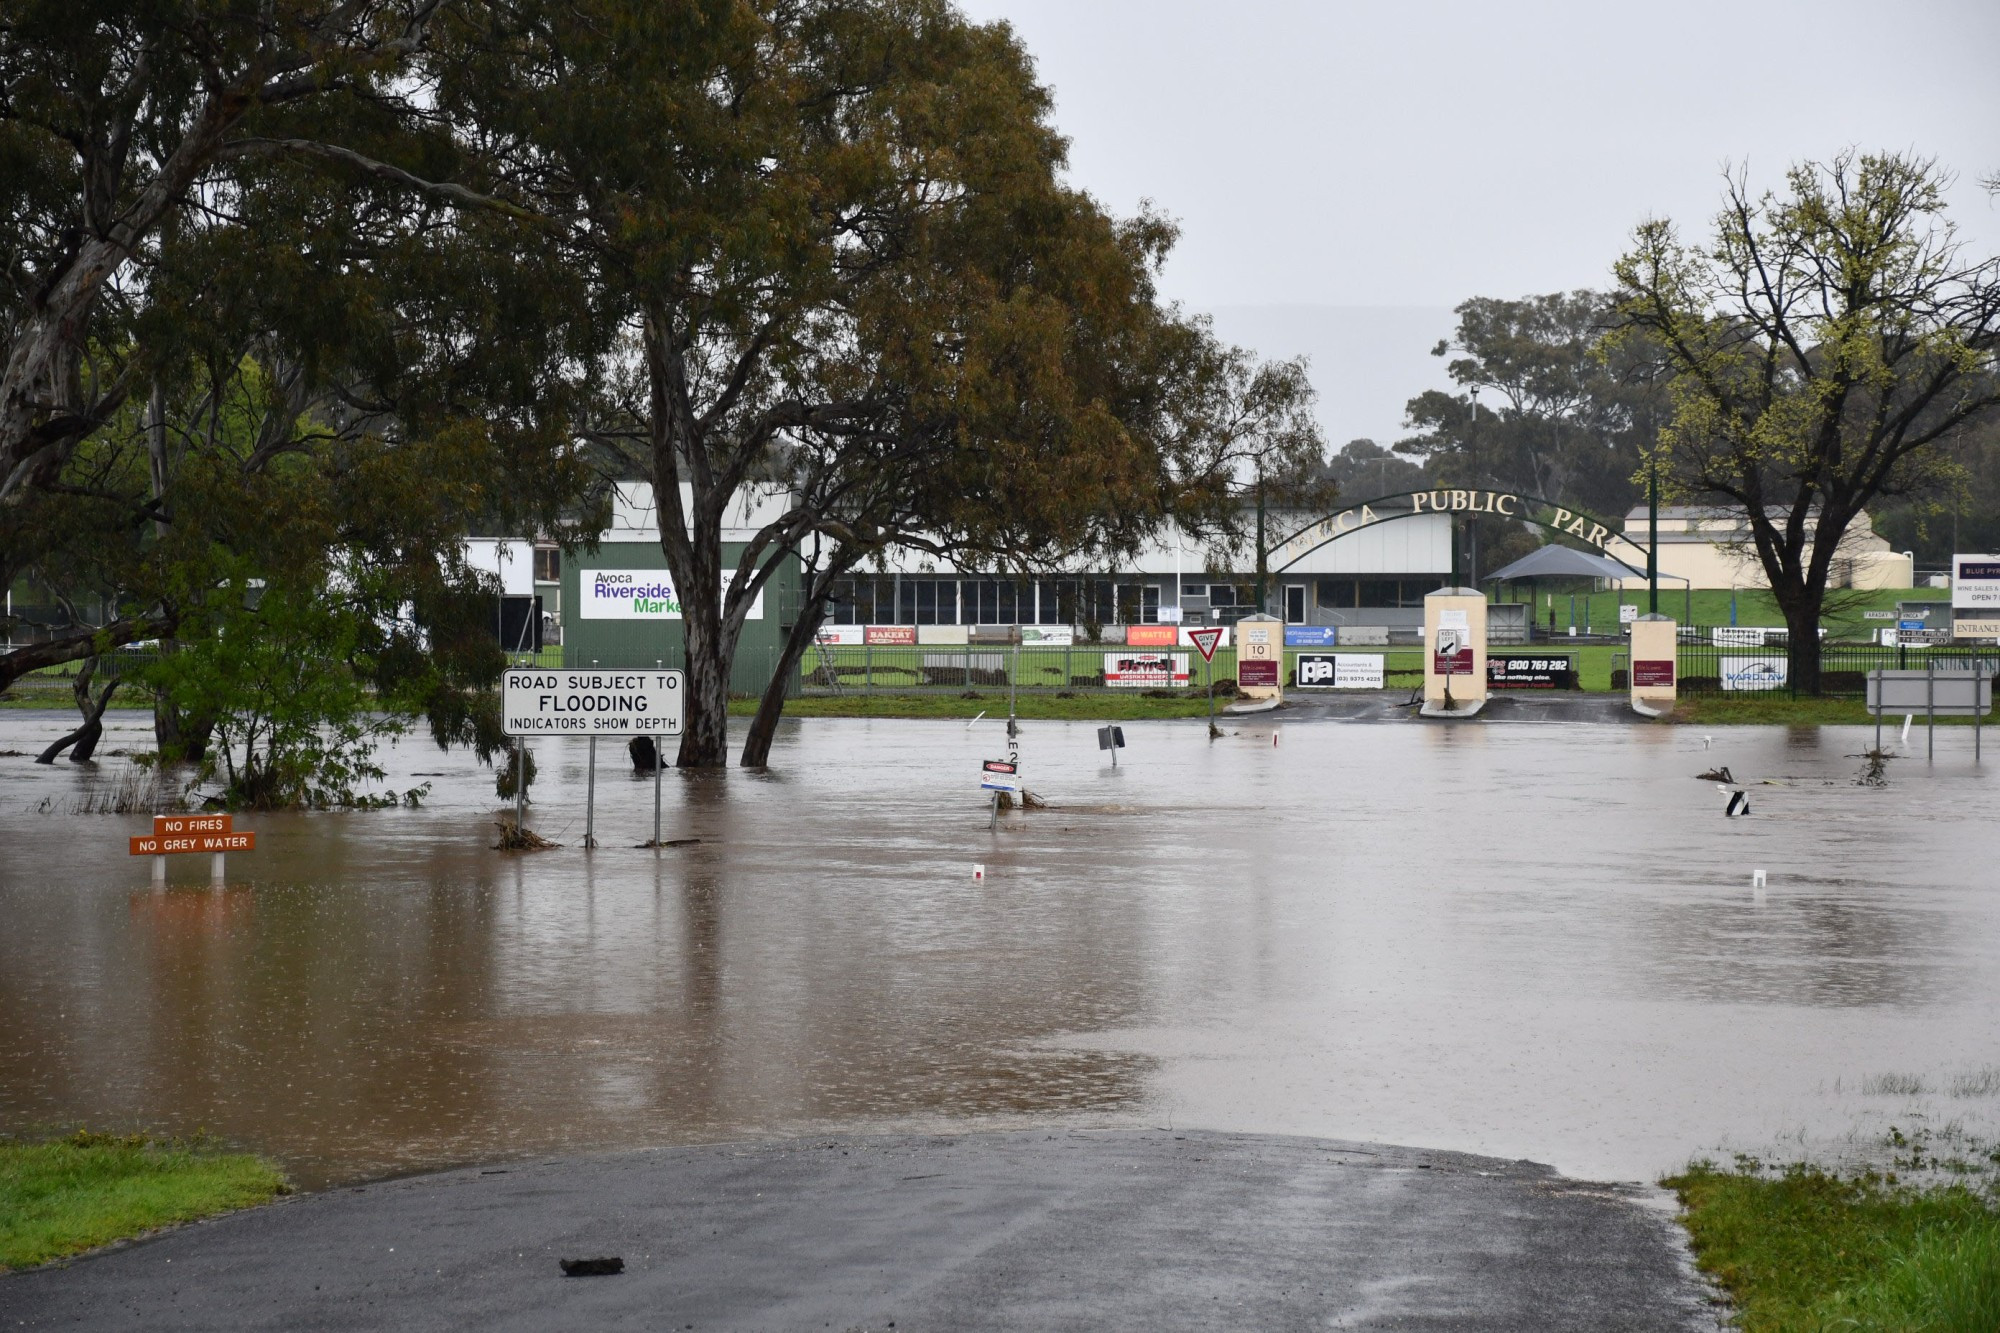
1472 443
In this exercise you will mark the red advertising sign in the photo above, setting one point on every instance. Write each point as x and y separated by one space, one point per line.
1653 675
1452 664
889 634
1250 671
1205 640
1152 636
160 844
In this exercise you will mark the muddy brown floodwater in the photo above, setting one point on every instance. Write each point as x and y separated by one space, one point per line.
1530 941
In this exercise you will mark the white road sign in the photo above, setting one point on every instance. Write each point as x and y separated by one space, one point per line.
591 703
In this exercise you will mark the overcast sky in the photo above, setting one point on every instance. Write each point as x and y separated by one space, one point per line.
1331 156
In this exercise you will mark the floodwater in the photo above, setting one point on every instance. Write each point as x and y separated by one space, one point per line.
1527 940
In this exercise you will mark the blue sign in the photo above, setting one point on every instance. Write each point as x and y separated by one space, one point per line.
1909 624
1311 636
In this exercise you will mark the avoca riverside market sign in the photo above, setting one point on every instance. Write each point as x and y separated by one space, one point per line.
590 702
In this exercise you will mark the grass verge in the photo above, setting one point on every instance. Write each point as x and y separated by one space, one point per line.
1097 706
1811 1252
76 1193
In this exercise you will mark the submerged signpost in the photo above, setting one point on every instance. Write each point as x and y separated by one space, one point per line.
592 703
175 835
1204 641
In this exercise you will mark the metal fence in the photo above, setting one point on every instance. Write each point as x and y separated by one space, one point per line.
1711 668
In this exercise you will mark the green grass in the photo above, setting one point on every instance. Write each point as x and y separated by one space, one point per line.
1754 606
72 1194
1094 706
1811 1252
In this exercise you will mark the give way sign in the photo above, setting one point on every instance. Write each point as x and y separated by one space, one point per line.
1205 640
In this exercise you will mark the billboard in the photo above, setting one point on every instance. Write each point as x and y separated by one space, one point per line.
1519 672
1340 671
1157 671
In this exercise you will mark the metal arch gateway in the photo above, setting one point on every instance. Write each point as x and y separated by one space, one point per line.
1408 504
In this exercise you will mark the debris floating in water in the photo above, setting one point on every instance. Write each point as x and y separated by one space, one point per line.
668 842
593 1267
1721 774
514 838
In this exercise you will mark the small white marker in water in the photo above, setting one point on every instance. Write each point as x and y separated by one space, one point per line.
1756 879
1274 736
978 872
1707 741
1908 718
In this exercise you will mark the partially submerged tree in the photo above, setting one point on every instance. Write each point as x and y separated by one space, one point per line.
1824 347
834 235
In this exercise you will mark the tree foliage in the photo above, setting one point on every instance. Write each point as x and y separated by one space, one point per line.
1825 346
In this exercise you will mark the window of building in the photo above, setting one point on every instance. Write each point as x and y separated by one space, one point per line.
548 564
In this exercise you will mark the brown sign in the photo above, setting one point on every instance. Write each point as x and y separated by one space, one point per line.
1452 664
889 634
1653 675
166 825
169 844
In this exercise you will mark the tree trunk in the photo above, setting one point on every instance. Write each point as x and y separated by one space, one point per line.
85 737
1802 612
764 726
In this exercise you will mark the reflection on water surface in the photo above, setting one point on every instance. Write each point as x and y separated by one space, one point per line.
1535 941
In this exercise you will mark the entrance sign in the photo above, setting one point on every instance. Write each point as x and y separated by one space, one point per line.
591 703
1530 673
1257 672
1505 504
1141 671
1653 675
1341 671
1205 640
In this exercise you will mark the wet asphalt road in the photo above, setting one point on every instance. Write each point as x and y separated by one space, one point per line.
1038 1230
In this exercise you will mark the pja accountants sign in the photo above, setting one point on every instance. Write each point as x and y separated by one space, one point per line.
1503 504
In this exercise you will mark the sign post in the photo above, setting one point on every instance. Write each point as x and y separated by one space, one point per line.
1204 641
590 703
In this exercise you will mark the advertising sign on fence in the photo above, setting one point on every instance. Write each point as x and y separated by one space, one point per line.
637 594
1340 671
1311 636
1530 673
548 702
1737 636
1752 673
1150 671
838 634
1152 636
1049 636
889 634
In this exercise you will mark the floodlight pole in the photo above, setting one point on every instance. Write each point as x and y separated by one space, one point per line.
1653 541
